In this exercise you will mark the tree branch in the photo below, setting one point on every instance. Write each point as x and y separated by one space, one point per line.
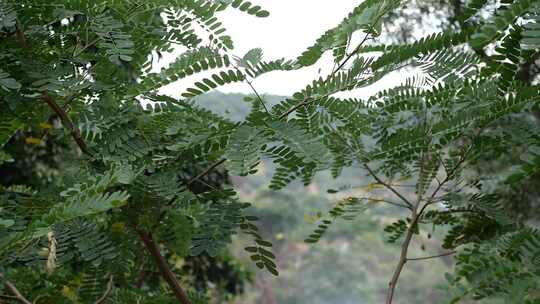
14 291
415 215
206 171
402 257
50 101
20 34
432 256
67 123
163 267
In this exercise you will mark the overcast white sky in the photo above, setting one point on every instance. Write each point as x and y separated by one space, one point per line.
291 27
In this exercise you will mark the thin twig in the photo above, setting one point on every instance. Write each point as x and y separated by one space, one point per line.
258 96
449 174
403 256
107 291
432 256
205 172
387 202
306 102
352 53
388 186
13 290
75 54
261 101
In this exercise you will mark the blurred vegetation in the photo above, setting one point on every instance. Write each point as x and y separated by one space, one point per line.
351 264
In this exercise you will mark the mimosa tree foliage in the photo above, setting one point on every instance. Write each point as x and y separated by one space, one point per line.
144 177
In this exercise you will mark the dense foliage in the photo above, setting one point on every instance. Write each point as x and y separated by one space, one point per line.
145 184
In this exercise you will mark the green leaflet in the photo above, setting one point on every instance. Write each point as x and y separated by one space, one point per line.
244 149
347 209
365 16
8 127
438 41
84 199
8 83
531 29
217 225
250 8
189 63
251 58
305 145
498 23
117 43
8 16
207 84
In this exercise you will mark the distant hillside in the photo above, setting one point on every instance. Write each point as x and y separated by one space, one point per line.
232 105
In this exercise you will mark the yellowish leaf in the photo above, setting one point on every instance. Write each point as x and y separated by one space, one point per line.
118 227
69 293
32 140
45 125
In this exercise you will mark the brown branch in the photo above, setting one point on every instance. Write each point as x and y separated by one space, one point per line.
403 256
415 215
140 278
20 34
14 291
163 267
107 291
50 101
432 256
67 123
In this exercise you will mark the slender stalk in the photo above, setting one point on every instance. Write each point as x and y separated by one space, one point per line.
13 290
349 56
387 202
415 215
20 34
163 267
102 299
432 256
205 172
84 48
388 186
402 256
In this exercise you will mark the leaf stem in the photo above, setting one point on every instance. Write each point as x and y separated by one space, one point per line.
388 186
432 256
107 291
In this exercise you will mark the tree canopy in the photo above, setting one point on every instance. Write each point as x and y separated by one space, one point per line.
103 177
